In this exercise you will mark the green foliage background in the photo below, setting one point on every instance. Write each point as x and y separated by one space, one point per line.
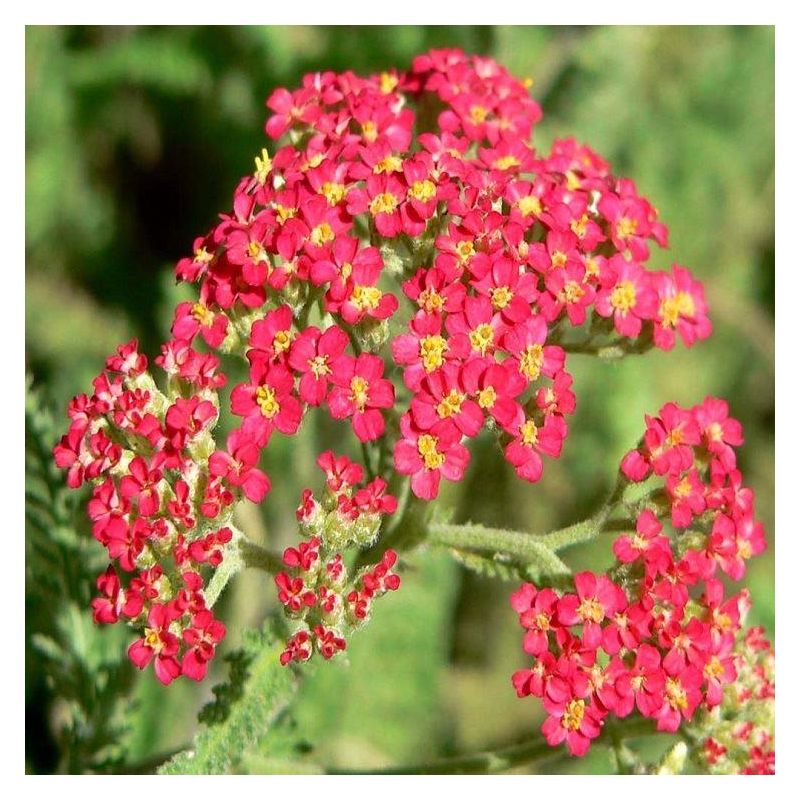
135 140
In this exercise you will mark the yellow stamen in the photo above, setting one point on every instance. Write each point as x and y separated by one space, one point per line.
450 404
388 164
482 338
529 433
203 314
432 350
431 457
423 190
430 301
333 192
501 296
530 205
322 234
530 363
265 398
384 203
573 715
358 391
366 297
263 167
319 366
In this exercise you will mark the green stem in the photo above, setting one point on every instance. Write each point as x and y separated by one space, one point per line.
503 759
254 555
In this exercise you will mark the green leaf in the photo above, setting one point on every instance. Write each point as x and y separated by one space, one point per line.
243 712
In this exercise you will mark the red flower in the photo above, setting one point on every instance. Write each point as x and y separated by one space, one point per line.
315 355
359 391
158 643
427 455
201 639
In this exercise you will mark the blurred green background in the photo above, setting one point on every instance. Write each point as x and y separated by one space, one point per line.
135 140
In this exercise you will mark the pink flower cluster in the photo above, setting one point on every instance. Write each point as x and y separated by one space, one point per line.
500 248
315 589
657 634
738 735
691 451
427 176
160 501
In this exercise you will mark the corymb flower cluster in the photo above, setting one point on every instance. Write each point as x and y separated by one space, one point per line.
657 634
315 589
403 259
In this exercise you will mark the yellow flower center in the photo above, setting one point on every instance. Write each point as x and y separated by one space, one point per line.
263 167
579 226
465 250
623 296
744 549
573 715
257 252
431 350
639 542
482 338
714 669
388 164
152 639
369 130
573 181
530 205
626 227
558 259
203 314
202 256
529 433
487 397
388 82
683 488
284 212
506 162
571 293
590 610
384 203
319 366
676 694
265 398
674 437
530 364
322 234
501 296
450 404
366 297
431 457
358 391
282 341
333 192
313 162
714 432
478 114
542 622
430 301
423 190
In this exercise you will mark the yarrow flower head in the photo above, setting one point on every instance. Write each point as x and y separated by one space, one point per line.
657 634
420 288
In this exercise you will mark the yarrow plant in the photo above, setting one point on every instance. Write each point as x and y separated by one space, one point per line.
404 261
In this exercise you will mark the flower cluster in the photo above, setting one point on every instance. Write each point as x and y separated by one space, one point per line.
160 501
315 589
657 634
737 735
502 256
500 250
